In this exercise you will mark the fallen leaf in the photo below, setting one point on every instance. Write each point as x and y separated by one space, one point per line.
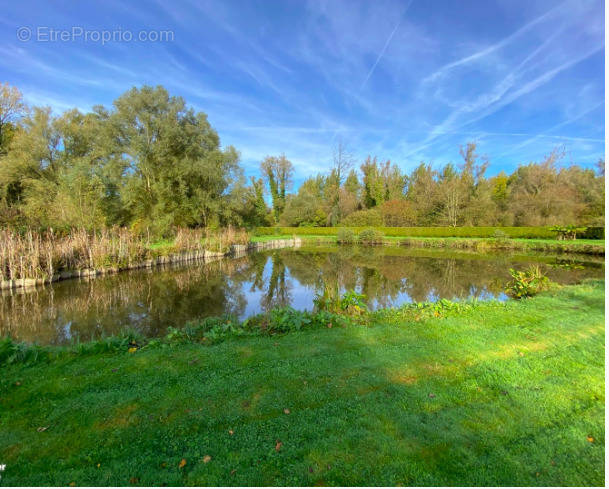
98 466
233 471
17 383
521 354
133 349
278 446
286 411
133 480
164 464
182 463
590 439
206 459
231 432
41 429
432 395
72 484
329 325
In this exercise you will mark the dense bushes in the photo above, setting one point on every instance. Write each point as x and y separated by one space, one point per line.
592 232
542 232
371 236
370 217
345 236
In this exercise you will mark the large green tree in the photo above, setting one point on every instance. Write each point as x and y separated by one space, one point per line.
278 172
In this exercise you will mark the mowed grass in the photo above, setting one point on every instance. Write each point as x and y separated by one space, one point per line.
332 238
503 394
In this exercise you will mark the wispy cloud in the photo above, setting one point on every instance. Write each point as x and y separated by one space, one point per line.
399 79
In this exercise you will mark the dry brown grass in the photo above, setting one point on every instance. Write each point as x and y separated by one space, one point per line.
36 255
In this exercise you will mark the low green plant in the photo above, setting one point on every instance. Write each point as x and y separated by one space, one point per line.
351 303
371 236
567 232
345 236
527 283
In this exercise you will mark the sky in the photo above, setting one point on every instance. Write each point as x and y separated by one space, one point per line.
408 81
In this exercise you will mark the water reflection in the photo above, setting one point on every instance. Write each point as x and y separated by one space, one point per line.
152 300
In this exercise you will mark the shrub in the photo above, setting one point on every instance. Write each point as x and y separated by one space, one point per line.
345 236
371 236
398 212
527 283
369 217
351 303
567 232
592 232
500 235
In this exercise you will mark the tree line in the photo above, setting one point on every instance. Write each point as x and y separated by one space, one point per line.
152 163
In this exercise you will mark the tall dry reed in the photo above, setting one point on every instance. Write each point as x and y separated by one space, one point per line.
36 255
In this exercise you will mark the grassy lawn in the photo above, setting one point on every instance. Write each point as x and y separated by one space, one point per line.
330 239
502 394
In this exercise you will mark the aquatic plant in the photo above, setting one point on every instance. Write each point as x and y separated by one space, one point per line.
527 283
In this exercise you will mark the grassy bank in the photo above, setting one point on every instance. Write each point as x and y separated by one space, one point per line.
587 246
484 394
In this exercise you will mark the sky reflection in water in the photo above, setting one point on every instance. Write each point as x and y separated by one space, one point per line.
152 300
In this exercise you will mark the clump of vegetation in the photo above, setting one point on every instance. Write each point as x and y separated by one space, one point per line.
351 303
500 235
345 236
34 255
527 283
371 236
369 217
567 232
220 240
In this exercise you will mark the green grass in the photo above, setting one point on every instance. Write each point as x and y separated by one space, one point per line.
162 243
597 246
496 394
543 232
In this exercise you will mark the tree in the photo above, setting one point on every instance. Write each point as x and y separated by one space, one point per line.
12 108
342 162
175 174
398 212
424 195
278 172
374 188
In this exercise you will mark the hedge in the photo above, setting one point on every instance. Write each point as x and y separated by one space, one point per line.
427 232
593 232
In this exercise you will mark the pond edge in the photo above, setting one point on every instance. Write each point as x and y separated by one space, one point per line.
235 251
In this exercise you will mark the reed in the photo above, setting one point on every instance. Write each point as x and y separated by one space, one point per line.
40 256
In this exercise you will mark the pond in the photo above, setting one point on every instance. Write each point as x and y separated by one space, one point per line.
152 300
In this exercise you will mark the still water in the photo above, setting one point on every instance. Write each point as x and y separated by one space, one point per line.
152 300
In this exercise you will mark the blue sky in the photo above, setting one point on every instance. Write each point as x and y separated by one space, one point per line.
405 80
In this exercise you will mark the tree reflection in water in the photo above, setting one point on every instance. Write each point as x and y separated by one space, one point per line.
152 300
